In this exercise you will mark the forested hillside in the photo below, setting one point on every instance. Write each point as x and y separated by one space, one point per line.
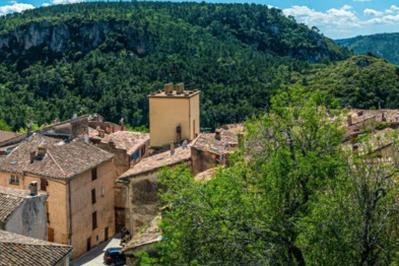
384 45
106 58
360 81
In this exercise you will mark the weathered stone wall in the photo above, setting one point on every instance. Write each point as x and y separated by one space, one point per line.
143 201
30 218
202 160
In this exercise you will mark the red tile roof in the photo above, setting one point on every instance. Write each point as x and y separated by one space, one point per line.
21 250
62 160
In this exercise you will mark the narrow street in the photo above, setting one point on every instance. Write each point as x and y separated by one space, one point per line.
95 256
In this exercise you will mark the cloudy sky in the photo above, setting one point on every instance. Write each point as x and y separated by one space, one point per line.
335 18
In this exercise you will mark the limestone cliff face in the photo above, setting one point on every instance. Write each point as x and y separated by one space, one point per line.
39 39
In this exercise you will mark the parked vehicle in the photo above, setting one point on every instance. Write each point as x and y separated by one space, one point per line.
114 256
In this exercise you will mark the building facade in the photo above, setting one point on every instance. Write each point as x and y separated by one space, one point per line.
78 179
174 115
141 181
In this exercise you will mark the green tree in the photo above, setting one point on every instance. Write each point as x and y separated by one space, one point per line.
4 125
294 195
250 213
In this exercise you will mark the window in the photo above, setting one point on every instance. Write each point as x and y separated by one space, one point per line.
47 213
93 196
94 173
94 220
106 234
14 180
88 244
43 184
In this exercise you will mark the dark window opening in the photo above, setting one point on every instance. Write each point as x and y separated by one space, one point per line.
43 184
94 220
14 180
88 244
106 234
93 196
94 173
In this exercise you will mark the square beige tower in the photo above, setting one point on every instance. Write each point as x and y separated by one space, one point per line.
174 115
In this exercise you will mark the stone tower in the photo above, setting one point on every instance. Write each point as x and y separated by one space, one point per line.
174 115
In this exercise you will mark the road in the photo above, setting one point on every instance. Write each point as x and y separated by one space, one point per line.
95 256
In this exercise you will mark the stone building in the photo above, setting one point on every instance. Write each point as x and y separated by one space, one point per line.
21 250
23 212
211 149
174 115
129 148
142 186
78 178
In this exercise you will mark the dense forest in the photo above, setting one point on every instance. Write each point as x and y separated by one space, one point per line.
107 57
360 81
383 45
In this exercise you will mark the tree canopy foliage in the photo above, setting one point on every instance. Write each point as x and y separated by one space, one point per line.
107 57
293 196
360 82
383 45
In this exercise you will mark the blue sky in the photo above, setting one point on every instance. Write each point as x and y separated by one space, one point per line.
335 18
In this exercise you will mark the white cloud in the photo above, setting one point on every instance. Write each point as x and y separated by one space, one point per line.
345 21
15 7
389 16
339 18
64 2
372 12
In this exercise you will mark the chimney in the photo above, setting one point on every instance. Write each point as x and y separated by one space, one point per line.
32 156
168 88
29 129
172 149
218 134
101 133
122 124
33 188
349 119
383 117
179 88
41 151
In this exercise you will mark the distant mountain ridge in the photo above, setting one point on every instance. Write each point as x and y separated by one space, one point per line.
384 45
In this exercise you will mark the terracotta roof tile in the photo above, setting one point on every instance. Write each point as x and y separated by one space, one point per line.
150 234
127 140
6 135
62 160
20 250
208 142
10 200
157 161
206 175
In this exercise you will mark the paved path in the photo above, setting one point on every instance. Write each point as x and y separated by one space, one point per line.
95 256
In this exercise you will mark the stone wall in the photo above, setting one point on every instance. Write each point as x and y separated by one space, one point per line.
29 219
